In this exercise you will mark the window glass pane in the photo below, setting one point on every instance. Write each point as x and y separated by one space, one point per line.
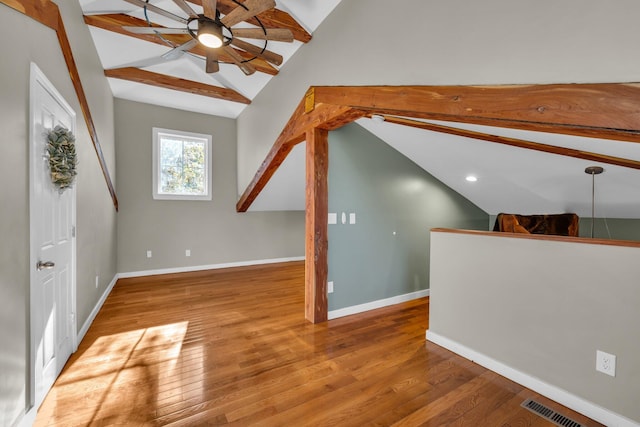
193 167
182 165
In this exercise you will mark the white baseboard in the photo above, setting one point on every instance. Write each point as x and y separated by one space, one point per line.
355 309
85 327
207 267
551 391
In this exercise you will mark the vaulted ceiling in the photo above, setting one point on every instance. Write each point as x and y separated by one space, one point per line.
510 177
142 67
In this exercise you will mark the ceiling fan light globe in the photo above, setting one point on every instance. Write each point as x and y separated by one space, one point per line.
210 40
209 34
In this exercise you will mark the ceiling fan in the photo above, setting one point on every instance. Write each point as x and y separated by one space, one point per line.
217 33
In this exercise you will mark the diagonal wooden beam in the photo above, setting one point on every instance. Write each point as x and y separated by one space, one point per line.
44 11
274 18
115 22
48 14
514 142
326 117
175 83
608 110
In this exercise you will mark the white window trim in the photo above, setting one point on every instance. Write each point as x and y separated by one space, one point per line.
156 161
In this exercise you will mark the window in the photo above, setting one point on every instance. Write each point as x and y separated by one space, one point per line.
181 165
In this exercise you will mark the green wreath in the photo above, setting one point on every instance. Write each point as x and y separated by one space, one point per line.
62 157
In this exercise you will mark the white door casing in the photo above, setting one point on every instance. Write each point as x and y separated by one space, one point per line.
52 229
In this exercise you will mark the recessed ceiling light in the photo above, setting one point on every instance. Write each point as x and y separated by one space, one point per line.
471 178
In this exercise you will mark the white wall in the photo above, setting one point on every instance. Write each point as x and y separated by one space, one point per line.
26 41
213 230
543 308
428 42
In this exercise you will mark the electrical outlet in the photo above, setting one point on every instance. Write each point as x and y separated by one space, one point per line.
149 254
329 287
187 252
606 363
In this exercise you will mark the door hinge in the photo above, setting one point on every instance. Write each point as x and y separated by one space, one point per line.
73 231
72 317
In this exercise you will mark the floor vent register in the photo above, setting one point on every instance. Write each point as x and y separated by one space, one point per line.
549 414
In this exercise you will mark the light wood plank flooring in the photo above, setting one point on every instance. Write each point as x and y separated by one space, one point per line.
232 347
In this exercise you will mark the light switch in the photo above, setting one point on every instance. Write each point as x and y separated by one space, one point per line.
352 218
344 218
333 218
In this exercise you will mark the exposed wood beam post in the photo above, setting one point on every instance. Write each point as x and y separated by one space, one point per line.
316 241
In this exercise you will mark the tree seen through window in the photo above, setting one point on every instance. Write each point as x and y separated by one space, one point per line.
182 164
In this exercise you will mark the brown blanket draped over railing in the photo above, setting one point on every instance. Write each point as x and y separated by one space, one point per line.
559 224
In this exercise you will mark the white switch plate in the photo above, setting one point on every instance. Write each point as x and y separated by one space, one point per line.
606 363
97 281
187 252
333 218
148 254
343 218
329 287
352 218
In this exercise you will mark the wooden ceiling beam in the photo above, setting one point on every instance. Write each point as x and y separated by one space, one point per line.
174 83
607 110
514 142
43 11
274 18
602 110
114 23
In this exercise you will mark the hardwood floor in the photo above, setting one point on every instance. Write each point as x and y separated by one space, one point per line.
232 347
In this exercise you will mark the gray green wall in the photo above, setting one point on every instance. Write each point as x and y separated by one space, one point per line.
388 193
611 228
213 230
96 217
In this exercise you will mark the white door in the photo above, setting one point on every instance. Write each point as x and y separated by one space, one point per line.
52 218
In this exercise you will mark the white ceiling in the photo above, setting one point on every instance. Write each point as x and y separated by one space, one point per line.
517 180
510 179
117 50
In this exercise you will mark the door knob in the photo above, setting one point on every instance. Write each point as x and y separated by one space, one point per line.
45 265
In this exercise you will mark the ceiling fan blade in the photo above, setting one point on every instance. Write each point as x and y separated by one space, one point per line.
209 8
212 61
106 12
178 51
143 63
186 8
275 34
237 59
253 7
157 10
267 55
155 30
